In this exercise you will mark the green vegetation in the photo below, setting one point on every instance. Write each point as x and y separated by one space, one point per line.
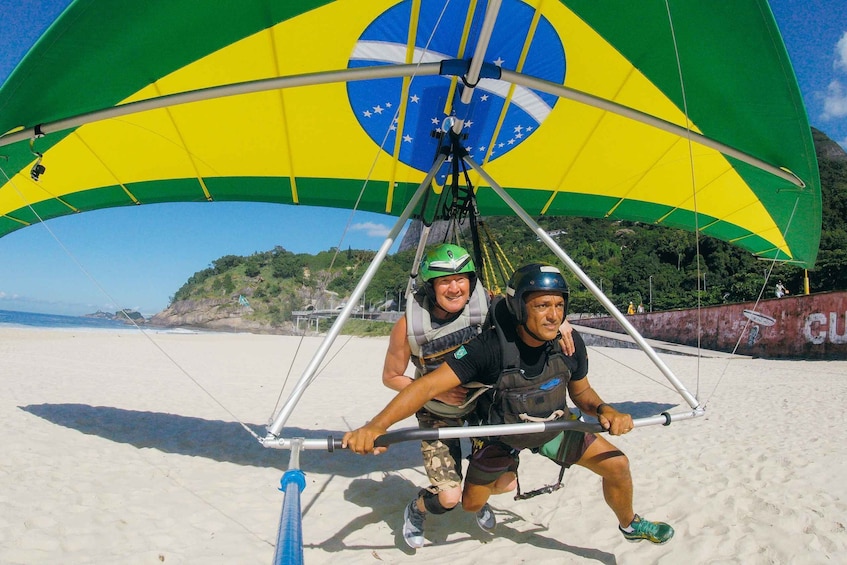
366 328
629 261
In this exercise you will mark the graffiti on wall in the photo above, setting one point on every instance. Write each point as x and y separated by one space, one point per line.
820 328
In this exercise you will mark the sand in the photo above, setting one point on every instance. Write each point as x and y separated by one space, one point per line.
123 447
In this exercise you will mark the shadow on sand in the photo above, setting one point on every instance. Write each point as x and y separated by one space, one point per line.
386 499
216 439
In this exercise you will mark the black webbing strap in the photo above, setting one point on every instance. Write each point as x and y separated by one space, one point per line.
553 487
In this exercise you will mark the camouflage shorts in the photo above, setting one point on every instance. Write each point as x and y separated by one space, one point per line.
442 458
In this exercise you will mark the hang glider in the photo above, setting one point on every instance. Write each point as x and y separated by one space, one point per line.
644 111
691 119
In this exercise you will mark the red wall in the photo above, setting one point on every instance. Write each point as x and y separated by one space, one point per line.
806 327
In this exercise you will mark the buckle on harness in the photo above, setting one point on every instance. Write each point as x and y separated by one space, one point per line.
555 415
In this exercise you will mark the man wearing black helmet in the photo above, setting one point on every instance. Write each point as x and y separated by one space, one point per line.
448 310
520 358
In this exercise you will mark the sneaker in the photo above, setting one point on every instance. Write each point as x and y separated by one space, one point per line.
656 532
413 525
486 519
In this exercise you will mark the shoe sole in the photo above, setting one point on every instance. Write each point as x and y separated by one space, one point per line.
636 540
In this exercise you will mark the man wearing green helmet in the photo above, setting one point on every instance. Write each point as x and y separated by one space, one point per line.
447 311
531 377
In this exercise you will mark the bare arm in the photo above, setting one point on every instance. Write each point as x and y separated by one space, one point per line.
397 358
407 402
397 361
588 401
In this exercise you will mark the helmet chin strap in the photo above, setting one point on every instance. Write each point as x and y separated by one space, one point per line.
532 334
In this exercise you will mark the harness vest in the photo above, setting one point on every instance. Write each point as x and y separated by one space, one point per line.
516 398
431 342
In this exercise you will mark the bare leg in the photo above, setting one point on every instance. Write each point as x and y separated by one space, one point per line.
612 465
474 497
448 498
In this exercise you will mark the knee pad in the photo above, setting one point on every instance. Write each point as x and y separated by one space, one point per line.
431 502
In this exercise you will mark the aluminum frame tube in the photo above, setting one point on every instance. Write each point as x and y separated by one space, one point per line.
587 282
311 370
332 443
413 273
215 92
601 103
472 76
391 71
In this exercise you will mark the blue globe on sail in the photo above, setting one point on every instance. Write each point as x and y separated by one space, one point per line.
499 119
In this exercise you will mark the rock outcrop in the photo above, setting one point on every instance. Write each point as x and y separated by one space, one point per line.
213 314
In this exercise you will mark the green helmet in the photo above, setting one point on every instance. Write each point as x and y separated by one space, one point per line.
443 260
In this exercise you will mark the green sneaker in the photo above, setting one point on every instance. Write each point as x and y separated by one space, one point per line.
656 532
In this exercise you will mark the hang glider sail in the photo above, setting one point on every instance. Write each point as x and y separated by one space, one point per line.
336 103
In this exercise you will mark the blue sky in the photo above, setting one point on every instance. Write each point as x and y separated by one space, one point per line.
138 257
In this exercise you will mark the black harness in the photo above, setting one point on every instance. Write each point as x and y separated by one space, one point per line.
517 398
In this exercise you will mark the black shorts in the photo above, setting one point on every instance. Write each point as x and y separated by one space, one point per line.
491 459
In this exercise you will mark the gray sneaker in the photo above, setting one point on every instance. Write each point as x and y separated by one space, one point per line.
413 525
486 519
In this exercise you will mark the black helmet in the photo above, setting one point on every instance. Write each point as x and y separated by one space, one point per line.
532 278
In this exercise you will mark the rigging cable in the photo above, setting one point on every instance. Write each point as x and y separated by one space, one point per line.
100 287
693 191
355 208
388 131
702 290
758 299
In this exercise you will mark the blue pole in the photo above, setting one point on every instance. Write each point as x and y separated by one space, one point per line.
289 539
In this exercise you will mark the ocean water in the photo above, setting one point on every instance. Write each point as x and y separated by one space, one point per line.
31 319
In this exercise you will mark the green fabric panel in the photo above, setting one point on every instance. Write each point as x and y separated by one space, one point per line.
588 205
336 193
490 204
8 225
717 42
45 210
799 217
250 189
48 209
152 39
171 190
98 198
639 211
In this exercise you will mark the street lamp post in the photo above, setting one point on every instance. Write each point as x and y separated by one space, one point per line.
651 293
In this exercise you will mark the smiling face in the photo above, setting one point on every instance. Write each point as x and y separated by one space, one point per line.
545 312
452 292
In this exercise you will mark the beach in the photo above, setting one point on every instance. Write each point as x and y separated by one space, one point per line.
128 447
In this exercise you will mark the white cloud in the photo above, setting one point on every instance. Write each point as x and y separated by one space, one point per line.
841 53
834 101
372 229
835 97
